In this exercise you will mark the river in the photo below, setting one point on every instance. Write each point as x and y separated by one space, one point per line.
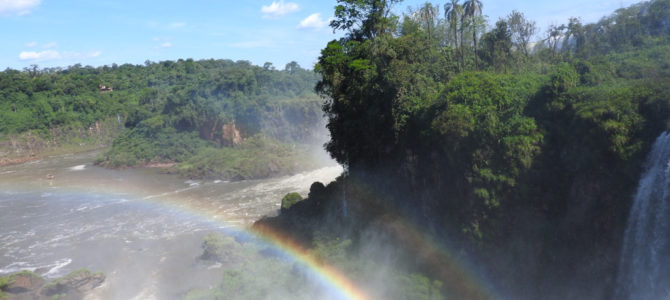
143 229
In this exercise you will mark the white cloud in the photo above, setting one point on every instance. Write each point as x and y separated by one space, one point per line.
314 21
278 9
47 55
39 56
18 7
165 45
31 44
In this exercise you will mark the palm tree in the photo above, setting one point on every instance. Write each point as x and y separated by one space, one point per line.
427 14
454 13
473 9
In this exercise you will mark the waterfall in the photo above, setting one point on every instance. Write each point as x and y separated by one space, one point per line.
644 267
345 175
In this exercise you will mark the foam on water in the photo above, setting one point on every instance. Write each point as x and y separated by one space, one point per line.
108 220
55 270
77 168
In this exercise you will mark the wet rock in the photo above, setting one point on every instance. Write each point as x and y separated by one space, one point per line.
23 282
73 285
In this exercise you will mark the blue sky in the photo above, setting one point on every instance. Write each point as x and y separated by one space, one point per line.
52 33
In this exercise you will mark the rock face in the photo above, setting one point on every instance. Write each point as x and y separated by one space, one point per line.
74 284
231 135
28 146
23 282
28 285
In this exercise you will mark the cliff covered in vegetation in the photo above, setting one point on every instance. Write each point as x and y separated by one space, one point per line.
522 158
216 117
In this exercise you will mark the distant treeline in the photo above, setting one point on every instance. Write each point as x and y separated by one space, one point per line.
43 98
171 108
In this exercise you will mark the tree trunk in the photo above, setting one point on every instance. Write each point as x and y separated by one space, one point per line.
474 42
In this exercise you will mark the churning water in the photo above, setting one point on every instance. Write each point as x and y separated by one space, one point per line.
644 270
136 226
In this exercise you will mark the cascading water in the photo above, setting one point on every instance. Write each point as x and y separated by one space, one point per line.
644 268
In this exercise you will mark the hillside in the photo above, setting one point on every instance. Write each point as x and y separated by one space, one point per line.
522 160
185 111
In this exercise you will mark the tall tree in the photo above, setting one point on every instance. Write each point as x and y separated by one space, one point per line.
522 31
472 9
497 45
428 14
364 19
453 12
574 36
554 35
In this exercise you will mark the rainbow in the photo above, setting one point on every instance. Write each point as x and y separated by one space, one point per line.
340 283
336 283
453 272
341 286
456 275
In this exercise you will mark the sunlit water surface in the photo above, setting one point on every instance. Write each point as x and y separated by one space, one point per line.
141 228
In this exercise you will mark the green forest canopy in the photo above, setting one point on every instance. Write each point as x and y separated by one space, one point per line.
173 111
490 138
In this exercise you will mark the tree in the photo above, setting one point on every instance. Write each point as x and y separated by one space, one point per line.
574 36
289 200
292 67
497 46
364 19
522 30
554 35
427 14
472 9
453 12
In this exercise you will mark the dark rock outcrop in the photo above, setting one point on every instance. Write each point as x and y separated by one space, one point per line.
23 282
29 285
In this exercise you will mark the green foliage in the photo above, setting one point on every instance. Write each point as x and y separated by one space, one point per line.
173 109
143 146
289 199
258 157
219 248
409 104
4 282
192 112
331 250
7 280
417 286
497 47
363 18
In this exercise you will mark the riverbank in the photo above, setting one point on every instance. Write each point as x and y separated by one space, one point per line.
36 145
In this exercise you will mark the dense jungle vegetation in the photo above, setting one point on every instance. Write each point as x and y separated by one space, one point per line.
217 118
521 153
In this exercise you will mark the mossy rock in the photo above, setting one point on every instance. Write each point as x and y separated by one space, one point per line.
289 200
21 282
76 283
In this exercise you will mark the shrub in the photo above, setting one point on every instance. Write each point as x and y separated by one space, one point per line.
289 200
